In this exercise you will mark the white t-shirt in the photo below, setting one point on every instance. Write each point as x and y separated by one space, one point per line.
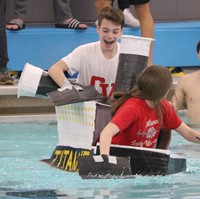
93 68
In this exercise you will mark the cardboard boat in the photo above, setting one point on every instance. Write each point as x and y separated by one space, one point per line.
131 161
127 161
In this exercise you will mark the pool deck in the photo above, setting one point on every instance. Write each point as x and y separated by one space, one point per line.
10 105
174 45
46 117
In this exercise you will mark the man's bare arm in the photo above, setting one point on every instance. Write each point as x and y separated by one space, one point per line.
179 95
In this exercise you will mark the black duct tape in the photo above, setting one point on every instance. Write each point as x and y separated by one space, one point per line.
129 67
143 161
89 167
176 165
46 85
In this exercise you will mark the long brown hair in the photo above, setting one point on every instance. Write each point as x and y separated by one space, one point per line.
152 84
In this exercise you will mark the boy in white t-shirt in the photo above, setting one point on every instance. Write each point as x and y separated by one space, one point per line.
96 63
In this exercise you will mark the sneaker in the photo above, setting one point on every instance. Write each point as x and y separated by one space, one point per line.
176 71
5 79
130 20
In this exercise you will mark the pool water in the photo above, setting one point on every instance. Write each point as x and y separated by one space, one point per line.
23 145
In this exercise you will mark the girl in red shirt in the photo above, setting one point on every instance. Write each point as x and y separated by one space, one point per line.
139 115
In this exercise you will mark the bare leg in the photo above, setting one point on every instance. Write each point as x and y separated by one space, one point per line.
63 14
20 11
102 4
147 25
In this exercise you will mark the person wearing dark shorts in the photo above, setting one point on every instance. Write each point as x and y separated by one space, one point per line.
143 13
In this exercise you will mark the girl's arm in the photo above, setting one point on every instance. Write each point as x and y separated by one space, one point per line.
106 137
188 133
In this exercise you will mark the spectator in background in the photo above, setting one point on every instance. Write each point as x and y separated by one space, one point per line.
5 79
62 12
187 92
143 13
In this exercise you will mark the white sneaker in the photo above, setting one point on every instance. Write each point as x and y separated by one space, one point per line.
130 20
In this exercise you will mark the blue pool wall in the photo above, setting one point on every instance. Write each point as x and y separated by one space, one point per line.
174 45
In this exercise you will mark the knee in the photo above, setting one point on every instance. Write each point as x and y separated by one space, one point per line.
100 4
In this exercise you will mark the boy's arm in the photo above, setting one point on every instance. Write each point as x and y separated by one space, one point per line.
56 72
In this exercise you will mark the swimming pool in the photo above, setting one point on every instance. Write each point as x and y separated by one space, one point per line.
23 144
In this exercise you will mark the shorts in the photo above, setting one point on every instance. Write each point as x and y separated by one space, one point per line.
138 2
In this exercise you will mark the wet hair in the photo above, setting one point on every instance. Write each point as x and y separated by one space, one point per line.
198 47
152 84
113 14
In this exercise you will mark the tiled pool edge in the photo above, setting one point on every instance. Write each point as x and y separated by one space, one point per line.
28 118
